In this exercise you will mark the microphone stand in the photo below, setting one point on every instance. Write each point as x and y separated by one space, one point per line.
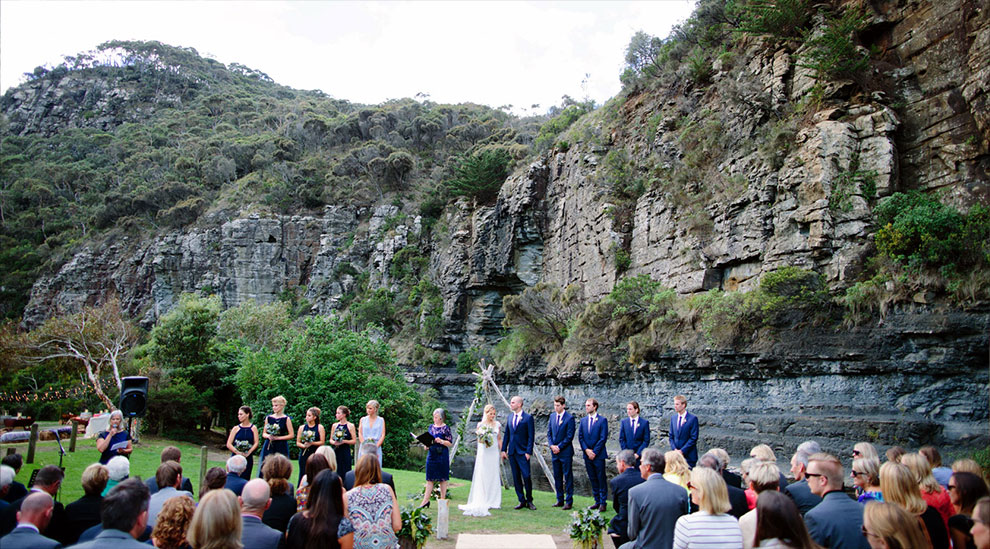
61 452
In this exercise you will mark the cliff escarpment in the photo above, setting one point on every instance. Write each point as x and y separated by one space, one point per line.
702 179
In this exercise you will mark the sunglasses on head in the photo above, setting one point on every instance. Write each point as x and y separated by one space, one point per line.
856 453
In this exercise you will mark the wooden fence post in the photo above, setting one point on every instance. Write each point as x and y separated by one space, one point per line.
72 437
32 442
202 467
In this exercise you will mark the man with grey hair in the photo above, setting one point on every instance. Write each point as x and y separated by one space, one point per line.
728 476
799 490
7 475
254 499
737 496
628 477
235 466
386 477
654 506
32 519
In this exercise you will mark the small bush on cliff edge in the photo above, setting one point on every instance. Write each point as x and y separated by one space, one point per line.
480 175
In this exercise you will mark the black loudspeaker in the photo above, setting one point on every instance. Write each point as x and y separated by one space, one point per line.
134 396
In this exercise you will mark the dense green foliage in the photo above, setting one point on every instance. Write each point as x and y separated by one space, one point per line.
480 175
833 53
326 365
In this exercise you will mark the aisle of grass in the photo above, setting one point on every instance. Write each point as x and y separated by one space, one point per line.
545 520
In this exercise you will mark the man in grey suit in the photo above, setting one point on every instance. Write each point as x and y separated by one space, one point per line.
654 506
124 516
799 491
837 521
255 498
32 519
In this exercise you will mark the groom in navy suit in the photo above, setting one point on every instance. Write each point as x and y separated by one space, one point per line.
517 447
592 436
560 437
684 431
634 431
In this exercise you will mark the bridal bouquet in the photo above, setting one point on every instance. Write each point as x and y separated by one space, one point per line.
486 435
273 429
242 445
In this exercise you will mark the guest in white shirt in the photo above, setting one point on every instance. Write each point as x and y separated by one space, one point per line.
711 526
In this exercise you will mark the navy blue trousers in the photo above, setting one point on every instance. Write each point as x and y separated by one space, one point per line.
521 477
563 479
596 474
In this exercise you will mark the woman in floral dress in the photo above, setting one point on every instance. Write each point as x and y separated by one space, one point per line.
372 507
438 457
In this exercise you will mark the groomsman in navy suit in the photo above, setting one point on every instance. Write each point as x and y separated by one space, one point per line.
517 447
560 437
634 431
592 436
684 431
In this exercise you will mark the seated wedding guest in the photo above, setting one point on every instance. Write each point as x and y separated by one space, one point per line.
799 490
865 450
711 525
48 480
314 466
170 453
16 490
737 497
255 498
169 478
234 478
779 523
372 507
764 452
676 469
981 524
744 468
838 520
6 479
85 511
941 472
866 479
118 469
243 440
730 478
216 524
438 457
899 488
654 505
115 441
629 476
386 476
322 524
967 465
763 477
965 489
215 479
173 522
894 454
277 470
889 526
124 517
931 491
32 521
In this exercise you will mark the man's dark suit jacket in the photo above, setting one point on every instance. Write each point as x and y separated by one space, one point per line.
93 531
112 539
234 483
519 439
386 478
837 522
800 492
561 435
83 514
58 527
152 485
685 438
638 441
737 498
27 538
731 479
257 535
15 492
620 500
654 507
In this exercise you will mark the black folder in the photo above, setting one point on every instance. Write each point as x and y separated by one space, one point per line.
426 439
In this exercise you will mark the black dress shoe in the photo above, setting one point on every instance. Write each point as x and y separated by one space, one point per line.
567 506
595 506
604 507
520 506
531 506
559 504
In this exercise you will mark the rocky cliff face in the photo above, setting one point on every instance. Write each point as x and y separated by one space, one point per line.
920 376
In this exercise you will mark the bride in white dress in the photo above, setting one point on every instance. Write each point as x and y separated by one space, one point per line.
486 485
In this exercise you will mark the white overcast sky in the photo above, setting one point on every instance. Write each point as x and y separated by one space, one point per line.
493 53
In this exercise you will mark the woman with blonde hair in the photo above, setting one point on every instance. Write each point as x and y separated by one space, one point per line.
486 484
278 431
744 468
899 487
931 491
216 524
172 524
372 429
888 526
764 453
676 470
711 525
967 465
865 450
372 507
866 478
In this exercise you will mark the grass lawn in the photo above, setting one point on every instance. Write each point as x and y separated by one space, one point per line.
409 484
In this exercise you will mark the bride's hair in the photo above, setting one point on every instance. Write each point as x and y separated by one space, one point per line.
488 407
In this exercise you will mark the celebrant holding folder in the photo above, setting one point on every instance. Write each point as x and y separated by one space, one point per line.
115 441
438 457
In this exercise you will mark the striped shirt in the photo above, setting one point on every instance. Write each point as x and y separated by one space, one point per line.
704 530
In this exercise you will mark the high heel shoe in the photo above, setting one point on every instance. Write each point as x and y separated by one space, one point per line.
425 505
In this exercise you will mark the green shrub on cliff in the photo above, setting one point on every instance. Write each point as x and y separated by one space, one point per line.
480 175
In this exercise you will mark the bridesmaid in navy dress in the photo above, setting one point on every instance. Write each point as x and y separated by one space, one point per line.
438 457
243 439
278 431
343 437
310 437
